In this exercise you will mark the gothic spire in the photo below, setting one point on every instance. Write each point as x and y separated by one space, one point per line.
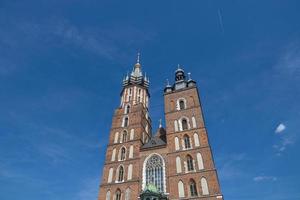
136 76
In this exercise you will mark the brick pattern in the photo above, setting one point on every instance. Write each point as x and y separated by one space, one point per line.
138 121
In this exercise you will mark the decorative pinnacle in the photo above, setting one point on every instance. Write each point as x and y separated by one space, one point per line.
178 66
168 83
138 57
160 123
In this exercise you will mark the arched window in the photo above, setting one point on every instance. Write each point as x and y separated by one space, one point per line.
123 153
131 134
107 195
193 188
187 142
184 124
118 194
121 174
127 109
194 122
178 165
181 104
175 125
113 155
196 140
204 186
127 194
190 163
131 151
200 161
181 189
124 136
129 173
125 121
116 137
110 175
154 170
176 143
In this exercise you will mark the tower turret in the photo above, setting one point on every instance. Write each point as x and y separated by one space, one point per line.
180 81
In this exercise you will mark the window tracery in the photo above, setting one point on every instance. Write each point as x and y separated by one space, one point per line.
154 171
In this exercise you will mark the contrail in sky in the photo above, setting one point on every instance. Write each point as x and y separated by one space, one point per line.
221 20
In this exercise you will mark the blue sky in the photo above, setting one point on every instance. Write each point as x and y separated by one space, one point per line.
61 66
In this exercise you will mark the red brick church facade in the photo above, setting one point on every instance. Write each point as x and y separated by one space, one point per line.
176 162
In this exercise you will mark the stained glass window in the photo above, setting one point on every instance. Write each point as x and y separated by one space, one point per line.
154 172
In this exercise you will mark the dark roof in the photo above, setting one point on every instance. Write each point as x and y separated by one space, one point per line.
158 140
154 142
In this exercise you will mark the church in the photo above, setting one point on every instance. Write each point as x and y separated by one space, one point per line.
173 162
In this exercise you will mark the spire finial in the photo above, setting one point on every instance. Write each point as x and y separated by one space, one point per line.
138 57
189 74
160 123
178 66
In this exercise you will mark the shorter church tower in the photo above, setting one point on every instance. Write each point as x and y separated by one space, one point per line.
194 175
172 163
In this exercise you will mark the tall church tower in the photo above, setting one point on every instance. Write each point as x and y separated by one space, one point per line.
172 163
131 128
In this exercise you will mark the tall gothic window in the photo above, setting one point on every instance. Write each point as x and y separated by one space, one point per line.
184 124
181 105
193 188
121 174
123 153
125 121
118 195
154 172
187 142
190 164
127 109
124 138
127 194
108 195
204 186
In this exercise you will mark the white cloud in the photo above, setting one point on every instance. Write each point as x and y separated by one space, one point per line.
280 128
264 178
285 140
